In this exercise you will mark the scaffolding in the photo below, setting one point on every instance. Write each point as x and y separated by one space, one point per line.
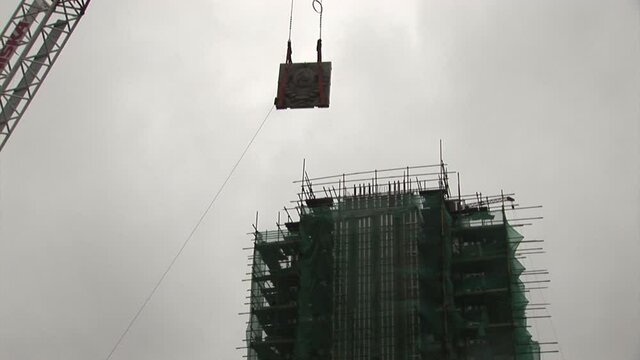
387 265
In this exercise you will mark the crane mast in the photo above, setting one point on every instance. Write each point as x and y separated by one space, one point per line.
29 46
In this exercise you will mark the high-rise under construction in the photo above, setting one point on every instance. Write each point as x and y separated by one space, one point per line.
388 265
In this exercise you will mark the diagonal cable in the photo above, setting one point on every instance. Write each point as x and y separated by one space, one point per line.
188 239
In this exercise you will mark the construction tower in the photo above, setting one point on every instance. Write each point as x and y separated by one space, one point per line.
389 268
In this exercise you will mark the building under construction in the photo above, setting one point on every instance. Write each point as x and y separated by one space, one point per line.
389 265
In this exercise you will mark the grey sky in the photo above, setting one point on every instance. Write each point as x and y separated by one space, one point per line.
152 102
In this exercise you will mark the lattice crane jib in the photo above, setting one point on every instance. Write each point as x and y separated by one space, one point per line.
30 44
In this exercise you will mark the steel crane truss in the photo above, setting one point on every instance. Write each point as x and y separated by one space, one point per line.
31 42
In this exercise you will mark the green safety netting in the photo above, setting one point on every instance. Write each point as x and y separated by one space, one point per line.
393 277
313 337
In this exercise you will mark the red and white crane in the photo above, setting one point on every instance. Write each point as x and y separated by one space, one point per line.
30 44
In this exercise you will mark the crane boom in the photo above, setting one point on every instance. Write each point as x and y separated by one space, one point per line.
30 44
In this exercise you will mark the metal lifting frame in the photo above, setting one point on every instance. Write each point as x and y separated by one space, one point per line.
30 44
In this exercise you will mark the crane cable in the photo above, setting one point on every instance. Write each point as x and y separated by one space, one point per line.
188 239
317 7
290 20
288 60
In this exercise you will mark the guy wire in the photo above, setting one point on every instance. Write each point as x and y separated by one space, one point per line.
186 242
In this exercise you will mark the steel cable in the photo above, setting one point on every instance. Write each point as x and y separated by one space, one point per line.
319 8
290 20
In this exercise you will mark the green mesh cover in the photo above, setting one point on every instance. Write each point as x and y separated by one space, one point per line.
394 276
313 338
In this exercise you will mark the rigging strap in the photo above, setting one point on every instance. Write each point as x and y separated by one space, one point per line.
323 96
280 103
319 50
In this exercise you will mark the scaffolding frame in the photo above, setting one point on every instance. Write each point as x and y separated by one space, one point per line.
394 267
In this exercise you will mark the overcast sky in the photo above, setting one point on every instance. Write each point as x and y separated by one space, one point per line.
152 102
